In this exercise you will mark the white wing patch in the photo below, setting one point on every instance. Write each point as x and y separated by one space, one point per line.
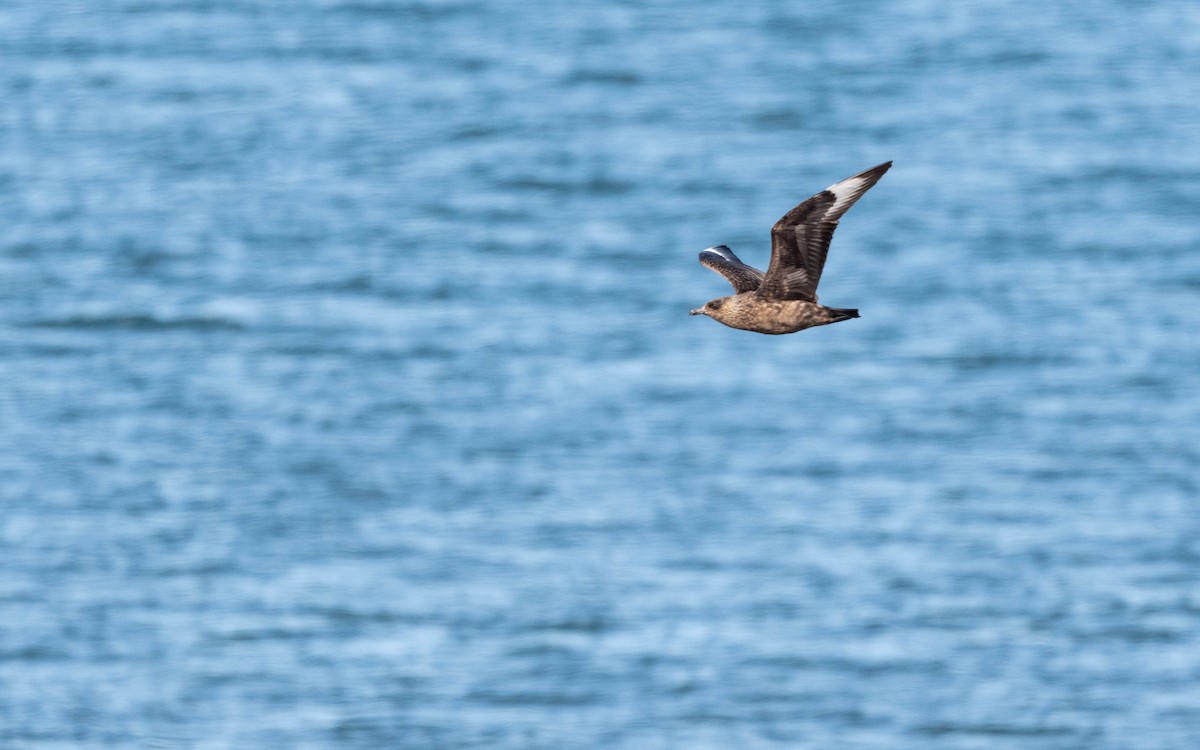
846 192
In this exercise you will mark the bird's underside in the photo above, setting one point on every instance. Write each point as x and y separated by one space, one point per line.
784 299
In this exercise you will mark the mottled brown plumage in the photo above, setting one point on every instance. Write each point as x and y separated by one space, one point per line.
784 299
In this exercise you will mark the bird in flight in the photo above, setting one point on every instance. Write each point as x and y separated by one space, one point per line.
784 299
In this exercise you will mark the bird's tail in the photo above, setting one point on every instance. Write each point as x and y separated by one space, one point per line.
842 313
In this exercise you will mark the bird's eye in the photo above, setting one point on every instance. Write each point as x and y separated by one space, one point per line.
715 304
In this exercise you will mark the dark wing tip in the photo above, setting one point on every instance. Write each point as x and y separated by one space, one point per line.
847 192
721 259
875 172
722 251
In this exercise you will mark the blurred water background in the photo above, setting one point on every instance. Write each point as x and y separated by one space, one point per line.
349 397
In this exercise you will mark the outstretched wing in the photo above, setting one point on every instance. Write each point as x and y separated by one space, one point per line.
722 260
800 240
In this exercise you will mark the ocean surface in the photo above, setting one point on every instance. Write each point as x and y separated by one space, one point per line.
349 399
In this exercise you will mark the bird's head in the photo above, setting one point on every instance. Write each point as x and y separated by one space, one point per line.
711 308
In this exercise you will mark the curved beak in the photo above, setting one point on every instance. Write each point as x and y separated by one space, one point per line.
697 311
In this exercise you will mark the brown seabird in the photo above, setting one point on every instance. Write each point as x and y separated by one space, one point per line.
784 299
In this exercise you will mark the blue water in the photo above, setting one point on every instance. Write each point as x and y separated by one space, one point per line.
349 397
